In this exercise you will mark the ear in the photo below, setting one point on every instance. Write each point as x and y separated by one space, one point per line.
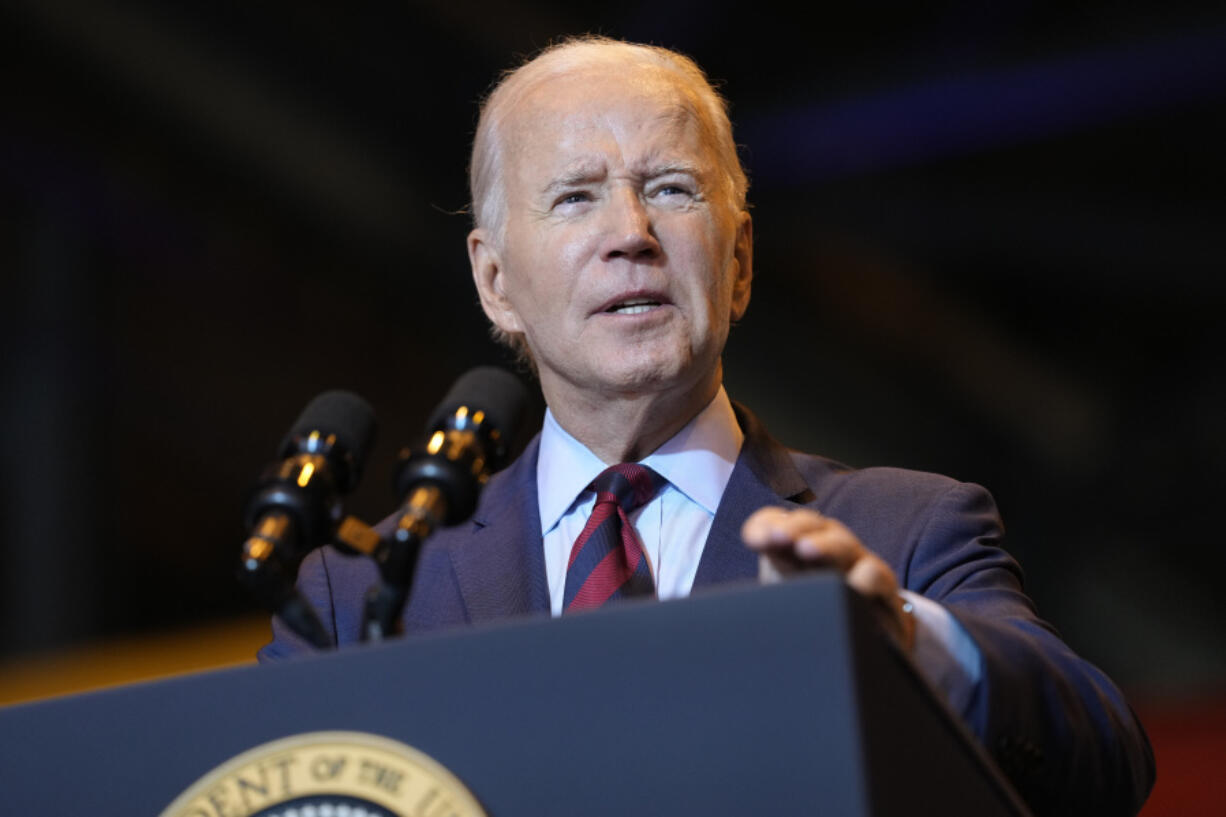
491 281
743 274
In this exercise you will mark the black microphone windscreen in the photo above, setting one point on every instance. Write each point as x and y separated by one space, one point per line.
342 413
500 394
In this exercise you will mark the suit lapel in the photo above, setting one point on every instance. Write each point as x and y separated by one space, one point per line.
764 474
500 566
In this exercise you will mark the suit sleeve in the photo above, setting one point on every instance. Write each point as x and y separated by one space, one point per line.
335 584
314 582
1056 724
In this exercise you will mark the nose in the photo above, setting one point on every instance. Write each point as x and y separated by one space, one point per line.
629 232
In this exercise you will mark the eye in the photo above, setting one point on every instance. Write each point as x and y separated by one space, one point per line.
671 190
575 197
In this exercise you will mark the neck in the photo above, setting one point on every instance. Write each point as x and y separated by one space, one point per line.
626 427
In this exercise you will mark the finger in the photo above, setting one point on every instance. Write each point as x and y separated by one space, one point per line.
774 527
780 563
833 544
872 578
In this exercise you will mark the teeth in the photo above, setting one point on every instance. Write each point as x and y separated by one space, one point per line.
634 307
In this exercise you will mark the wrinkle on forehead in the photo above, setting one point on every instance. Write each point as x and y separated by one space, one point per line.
589 169
526 98
566 127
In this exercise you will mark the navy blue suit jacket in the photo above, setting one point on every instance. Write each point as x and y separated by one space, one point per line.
1057 726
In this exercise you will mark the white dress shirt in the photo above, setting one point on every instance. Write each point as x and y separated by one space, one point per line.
697 462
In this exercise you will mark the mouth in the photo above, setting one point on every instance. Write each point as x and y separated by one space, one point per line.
633 304
635 307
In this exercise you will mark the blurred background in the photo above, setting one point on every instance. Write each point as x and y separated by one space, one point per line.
989 240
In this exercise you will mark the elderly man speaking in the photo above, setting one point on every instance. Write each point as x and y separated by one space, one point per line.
613 249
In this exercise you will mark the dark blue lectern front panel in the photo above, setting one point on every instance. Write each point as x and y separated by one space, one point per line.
743 701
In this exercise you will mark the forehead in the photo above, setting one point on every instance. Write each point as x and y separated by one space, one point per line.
604 116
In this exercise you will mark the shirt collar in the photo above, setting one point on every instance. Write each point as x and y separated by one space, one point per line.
697 461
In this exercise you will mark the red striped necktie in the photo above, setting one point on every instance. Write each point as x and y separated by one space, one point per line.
607 560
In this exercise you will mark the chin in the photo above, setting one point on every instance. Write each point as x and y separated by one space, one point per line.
653 373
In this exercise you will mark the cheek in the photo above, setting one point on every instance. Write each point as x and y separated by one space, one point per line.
710 260
539 275
566 262
570 247
558 265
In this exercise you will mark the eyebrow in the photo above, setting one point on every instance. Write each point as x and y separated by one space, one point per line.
574 177
669 169
586 175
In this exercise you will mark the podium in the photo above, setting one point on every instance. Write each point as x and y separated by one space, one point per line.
784 699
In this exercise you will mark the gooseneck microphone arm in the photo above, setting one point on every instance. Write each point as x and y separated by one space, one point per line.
296 504
468 438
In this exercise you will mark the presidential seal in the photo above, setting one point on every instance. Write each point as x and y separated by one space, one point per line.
328 774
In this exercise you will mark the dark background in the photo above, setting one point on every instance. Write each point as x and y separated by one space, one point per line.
989 244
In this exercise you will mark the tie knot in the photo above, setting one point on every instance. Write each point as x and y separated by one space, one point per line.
632 485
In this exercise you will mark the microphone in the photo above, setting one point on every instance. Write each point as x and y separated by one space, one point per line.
296 505
469 437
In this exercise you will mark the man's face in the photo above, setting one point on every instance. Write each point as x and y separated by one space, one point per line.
623 257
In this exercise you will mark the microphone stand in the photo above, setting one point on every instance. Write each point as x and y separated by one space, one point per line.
396 557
